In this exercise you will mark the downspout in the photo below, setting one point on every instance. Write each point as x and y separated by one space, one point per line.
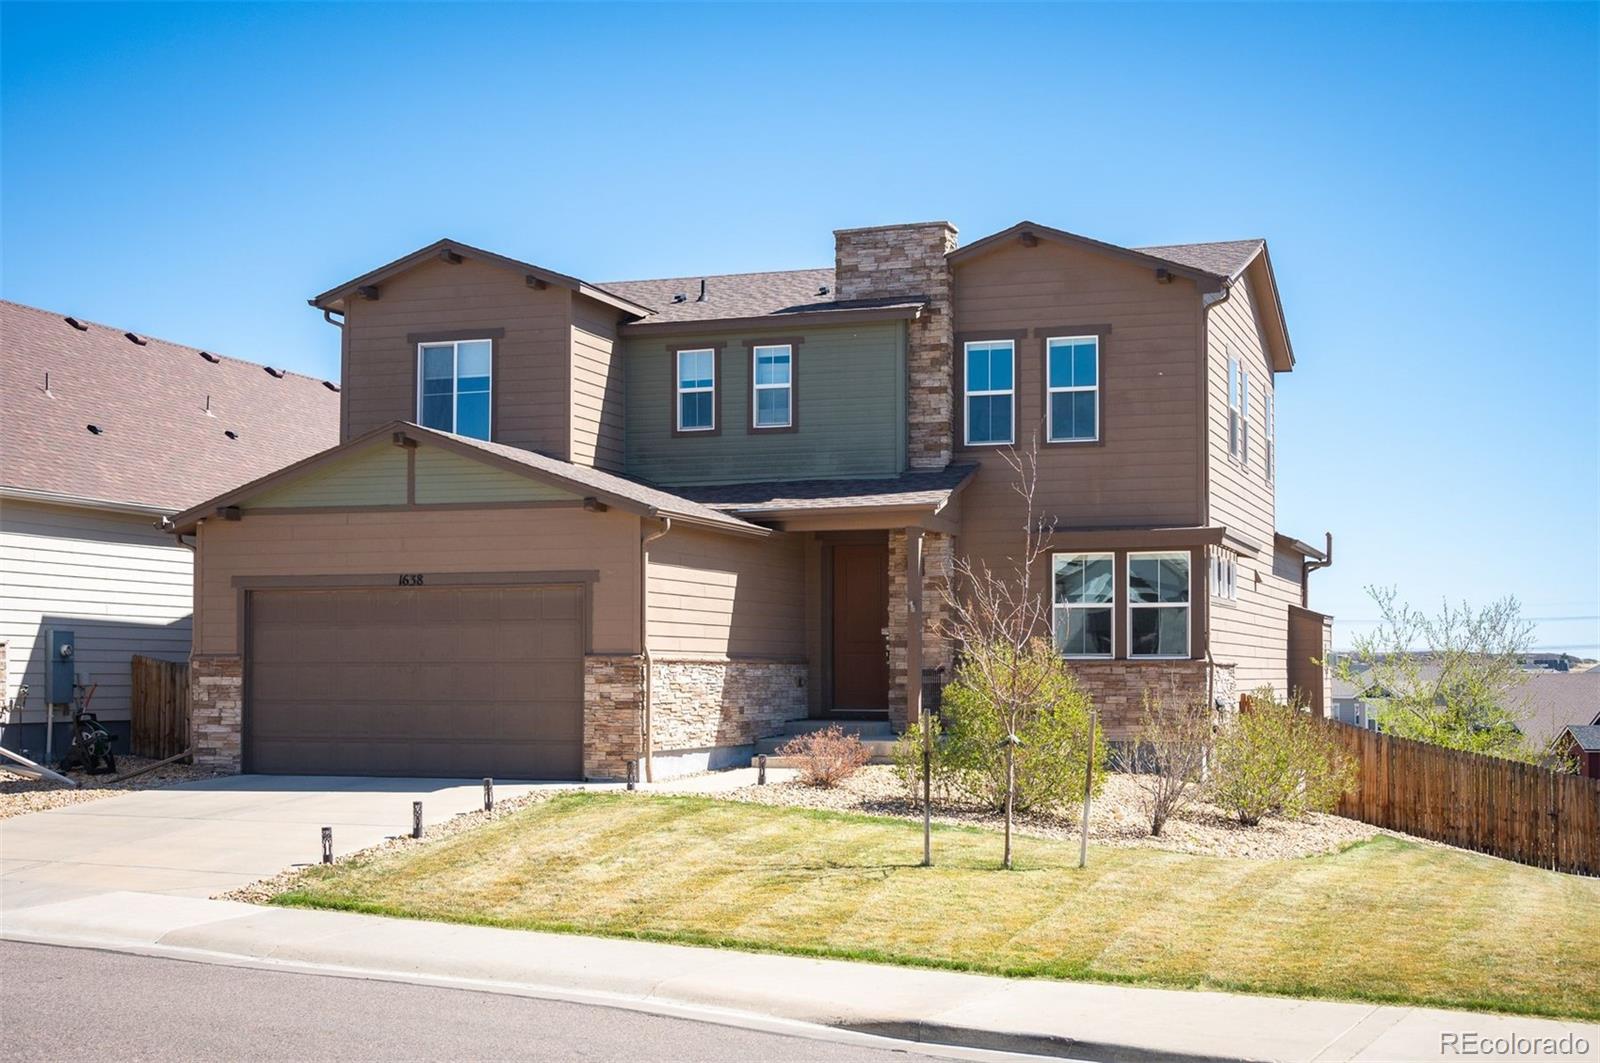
1308 567
644 642
1208 300
327 315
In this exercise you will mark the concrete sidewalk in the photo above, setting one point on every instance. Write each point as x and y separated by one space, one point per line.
1082 1021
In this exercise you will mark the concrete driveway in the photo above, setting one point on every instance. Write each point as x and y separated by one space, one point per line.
199 839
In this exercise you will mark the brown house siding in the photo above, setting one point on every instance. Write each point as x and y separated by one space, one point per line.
598 398
532 359
1241 497
1253 632
341 543
1147 470
715 596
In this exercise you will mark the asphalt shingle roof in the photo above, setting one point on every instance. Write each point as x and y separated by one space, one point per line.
1588 736
1225 258
915 488
728 295
158 446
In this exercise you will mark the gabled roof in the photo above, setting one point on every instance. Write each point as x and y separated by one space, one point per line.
1226 258
1026 229
158 450
1586 735
334 298
929 490
613 490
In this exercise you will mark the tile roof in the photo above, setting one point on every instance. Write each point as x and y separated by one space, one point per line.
1588 736
915 488
728 295
1226 258
158 448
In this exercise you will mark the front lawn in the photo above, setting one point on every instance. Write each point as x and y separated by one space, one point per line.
1383 920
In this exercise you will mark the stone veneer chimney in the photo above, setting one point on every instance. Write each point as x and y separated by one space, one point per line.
891 260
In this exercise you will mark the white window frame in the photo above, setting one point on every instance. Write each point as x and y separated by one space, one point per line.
1110 606
1272 435
679 391
1233 407
1187 605
1244 416
967 396
1223 575
455 378
756 388
1050 391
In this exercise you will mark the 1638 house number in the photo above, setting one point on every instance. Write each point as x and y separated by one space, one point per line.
410 579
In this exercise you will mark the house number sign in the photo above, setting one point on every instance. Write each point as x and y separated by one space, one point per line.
410 579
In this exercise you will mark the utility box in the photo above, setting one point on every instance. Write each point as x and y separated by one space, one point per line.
59 670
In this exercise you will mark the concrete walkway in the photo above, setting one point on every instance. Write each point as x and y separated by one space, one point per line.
203 838
1056 1018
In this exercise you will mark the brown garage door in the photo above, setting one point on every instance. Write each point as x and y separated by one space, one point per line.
455 682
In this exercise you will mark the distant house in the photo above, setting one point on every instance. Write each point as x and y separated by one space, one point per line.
107 433
1581 742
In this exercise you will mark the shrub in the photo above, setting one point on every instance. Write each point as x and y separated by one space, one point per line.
827 757
1053 734
1170 760
908 761
1275 759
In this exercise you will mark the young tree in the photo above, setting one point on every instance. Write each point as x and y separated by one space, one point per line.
1448 679
1001 622
1174 743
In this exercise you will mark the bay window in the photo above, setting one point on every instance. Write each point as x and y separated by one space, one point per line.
1084 590
1158 604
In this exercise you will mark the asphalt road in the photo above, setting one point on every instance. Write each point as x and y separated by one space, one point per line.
60 1004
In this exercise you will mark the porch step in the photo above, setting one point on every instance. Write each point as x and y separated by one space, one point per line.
877 735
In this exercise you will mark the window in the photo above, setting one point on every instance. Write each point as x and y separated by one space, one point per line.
1272 436
1224 574
1233 408
990 392
1073 388
1084 587
772 398
697 390
454 387
1244 416
1158 605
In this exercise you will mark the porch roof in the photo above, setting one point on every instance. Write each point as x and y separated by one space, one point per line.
919 490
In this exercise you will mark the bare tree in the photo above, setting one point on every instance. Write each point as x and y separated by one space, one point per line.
1174 742
996 618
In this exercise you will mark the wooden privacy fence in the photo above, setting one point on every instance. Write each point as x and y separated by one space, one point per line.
160 708
1502 807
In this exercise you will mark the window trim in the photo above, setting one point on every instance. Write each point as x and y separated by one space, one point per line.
455 340
1187 605
1099 379
1244 416
1232 399
1222 574
1272 435
751 346
1110 606
967 396
674 393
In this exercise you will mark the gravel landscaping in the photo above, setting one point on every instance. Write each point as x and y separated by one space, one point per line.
21 794
1117 817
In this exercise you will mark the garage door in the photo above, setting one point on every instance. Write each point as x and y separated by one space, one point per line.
457 682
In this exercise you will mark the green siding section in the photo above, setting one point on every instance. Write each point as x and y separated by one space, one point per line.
850 409
445 476
372 476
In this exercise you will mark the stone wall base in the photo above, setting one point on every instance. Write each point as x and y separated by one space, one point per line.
1118 689
613 715
706 704
216 711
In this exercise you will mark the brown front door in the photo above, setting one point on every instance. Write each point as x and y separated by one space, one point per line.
860 615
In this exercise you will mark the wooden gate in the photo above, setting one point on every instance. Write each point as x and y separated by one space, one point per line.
160 708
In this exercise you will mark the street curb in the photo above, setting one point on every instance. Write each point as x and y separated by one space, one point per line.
1037 1045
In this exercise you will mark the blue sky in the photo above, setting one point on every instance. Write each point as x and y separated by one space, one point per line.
1426 176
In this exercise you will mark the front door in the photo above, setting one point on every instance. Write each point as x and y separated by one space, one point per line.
860 615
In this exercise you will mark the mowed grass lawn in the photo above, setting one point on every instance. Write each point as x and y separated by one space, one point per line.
1385 920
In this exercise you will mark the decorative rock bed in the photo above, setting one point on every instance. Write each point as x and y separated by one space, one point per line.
21 794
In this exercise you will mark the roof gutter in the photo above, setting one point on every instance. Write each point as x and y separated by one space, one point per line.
57 498
1308 567
811 318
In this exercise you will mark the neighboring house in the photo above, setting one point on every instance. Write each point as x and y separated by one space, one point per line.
570 525
105 434
1545 703
1581 742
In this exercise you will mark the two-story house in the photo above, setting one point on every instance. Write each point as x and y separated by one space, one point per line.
574 524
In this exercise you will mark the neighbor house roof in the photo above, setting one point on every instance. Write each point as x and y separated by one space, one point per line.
916 489
1547 702
581 479
163 412
1587 736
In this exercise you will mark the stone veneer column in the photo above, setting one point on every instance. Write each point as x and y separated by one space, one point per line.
900 260
936 644
613 715
708 703
216 711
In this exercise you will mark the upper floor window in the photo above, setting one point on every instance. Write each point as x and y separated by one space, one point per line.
1238 411
990 392
1158 605
1084 587
1272 436
772 397
697 390
454 386
1073 386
